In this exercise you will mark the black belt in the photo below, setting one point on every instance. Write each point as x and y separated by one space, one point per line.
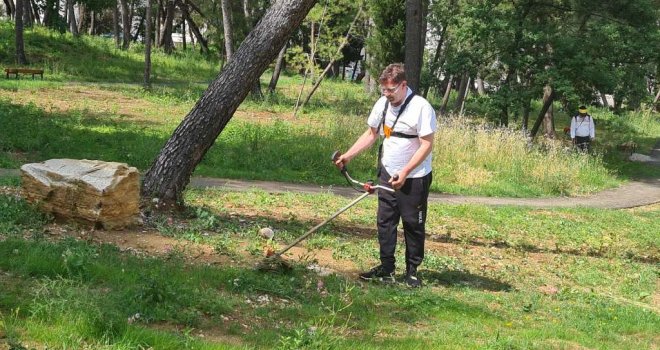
402 135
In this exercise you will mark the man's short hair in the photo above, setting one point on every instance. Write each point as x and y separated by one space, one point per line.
395 73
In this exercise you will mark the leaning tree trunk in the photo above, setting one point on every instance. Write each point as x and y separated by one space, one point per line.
170 173
445 96
20 49
277 70
548 98
185 13
9 8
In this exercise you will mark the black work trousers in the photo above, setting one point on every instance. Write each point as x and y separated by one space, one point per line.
410 205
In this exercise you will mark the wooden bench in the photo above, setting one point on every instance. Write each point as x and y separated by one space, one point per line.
32 71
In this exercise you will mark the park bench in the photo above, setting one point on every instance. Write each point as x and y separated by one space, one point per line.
32 71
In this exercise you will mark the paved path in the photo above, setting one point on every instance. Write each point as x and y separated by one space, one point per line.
629 195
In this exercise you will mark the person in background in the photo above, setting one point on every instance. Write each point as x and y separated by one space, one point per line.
407 124
583 130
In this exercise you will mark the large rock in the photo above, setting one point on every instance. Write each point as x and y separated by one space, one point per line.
106 194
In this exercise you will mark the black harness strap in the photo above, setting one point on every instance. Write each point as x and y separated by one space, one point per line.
403 107
393 133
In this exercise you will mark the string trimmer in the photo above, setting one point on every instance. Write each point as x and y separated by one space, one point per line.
274 260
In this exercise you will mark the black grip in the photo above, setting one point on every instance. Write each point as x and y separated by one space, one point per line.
335 156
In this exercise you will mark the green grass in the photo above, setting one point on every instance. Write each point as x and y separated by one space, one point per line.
95 59
479 294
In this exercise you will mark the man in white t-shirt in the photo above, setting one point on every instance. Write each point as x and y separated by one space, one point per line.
407 124
583 130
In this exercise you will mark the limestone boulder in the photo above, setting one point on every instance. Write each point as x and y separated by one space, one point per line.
106 194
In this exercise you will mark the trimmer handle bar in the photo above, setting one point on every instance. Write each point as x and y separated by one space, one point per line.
365 186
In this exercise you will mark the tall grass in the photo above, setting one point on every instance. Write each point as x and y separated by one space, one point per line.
495 161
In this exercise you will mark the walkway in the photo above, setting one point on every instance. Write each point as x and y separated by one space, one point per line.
629 195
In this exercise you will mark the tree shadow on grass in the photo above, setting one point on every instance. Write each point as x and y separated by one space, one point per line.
457 278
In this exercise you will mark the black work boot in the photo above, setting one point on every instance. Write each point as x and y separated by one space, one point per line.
411 277
379 273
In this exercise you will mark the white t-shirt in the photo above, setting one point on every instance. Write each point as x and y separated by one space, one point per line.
417 119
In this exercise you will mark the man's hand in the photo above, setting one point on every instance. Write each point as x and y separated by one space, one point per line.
341 161
397 180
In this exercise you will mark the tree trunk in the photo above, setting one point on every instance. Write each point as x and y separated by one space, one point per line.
414 42
183 34
481 89
35 12
115 25
445 97
227 28
9 8
92 23
73 26
166 29
277 70
49 13
604 99
527 108
159 9
171 171
27 14
193 27
126 25
548 98
147 47
82 18
461 92
20 49
549 123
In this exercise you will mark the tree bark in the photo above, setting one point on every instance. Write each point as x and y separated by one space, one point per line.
481 89
27 14
227 28
20 45
527 108
126 25
445 97
35 12
549 123
147 47
166 29
92 23
193 27
171 171
157 22
415 34
461 92
277 70
9 8
82 17
115 25
548 98
73 26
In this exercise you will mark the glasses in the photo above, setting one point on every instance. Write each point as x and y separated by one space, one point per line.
391 90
